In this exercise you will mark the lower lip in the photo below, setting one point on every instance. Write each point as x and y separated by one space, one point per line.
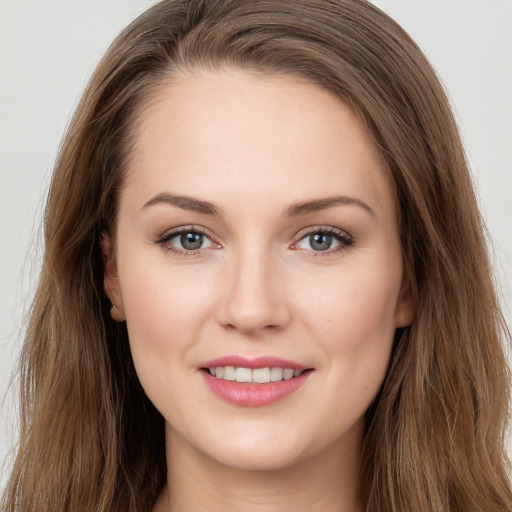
253 395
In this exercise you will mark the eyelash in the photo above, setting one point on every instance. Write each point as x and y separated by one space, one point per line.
345 240
165 238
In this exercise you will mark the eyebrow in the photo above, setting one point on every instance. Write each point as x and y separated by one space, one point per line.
197 205
322 204
185 203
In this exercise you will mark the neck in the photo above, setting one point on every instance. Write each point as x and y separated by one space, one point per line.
326 482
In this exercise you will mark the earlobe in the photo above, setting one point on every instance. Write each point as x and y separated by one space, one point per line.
110 280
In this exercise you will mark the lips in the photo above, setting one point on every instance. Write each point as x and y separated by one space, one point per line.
255 362
253 382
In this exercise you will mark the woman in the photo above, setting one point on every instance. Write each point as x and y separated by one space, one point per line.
265 282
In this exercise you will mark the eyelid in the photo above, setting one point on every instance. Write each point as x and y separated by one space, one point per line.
345 239
169 234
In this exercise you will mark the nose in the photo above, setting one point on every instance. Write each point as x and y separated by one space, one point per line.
253 298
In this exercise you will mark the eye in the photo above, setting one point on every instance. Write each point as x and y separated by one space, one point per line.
324 240
190 241
186 240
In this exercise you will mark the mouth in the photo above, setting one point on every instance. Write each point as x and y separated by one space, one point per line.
263 375
253 382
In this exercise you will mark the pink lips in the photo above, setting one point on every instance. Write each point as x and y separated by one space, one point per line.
256 362
252 395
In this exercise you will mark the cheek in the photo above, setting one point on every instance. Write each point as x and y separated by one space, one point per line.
353 321
164 309
355 309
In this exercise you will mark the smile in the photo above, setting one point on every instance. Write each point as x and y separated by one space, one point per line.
255 375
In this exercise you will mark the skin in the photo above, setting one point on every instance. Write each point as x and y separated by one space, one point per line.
254 146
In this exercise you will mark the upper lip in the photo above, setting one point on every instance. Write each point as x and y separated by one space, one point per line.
253 362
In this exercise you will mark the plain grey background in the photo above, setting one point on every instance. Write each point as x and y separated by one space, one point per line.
48 49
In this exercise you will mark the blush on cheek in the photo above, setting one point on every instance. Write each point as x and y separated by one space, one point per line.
362 316
163 311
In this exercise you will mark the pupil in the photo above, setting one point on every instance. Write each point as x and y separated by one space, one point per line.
320 241
191 241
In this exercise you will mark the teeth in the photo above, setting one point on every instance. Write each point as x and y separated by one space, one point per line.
276 374
261 375
243 375
287 374
256 376
229 372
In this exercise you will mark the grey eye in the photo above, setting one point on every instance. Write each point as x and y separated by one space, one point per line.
191 241
320 241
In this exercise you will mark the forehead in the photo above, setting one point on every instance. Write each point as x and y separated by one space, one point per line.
230 131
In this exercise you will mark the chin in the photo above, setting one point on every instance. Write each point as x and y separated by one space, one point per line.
246 448
256 458
273 447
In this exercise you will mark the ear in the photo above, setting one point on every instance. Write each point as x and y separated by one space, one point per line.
110 280
405 306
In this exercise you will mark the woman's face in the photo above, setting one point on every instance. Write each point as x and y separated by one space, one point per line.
257 234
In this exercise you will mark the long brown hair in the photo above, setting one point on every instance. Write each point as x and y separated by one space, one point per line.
434 441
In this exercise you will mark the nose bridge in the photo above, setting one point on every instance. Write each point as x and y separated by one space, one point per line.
253 293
